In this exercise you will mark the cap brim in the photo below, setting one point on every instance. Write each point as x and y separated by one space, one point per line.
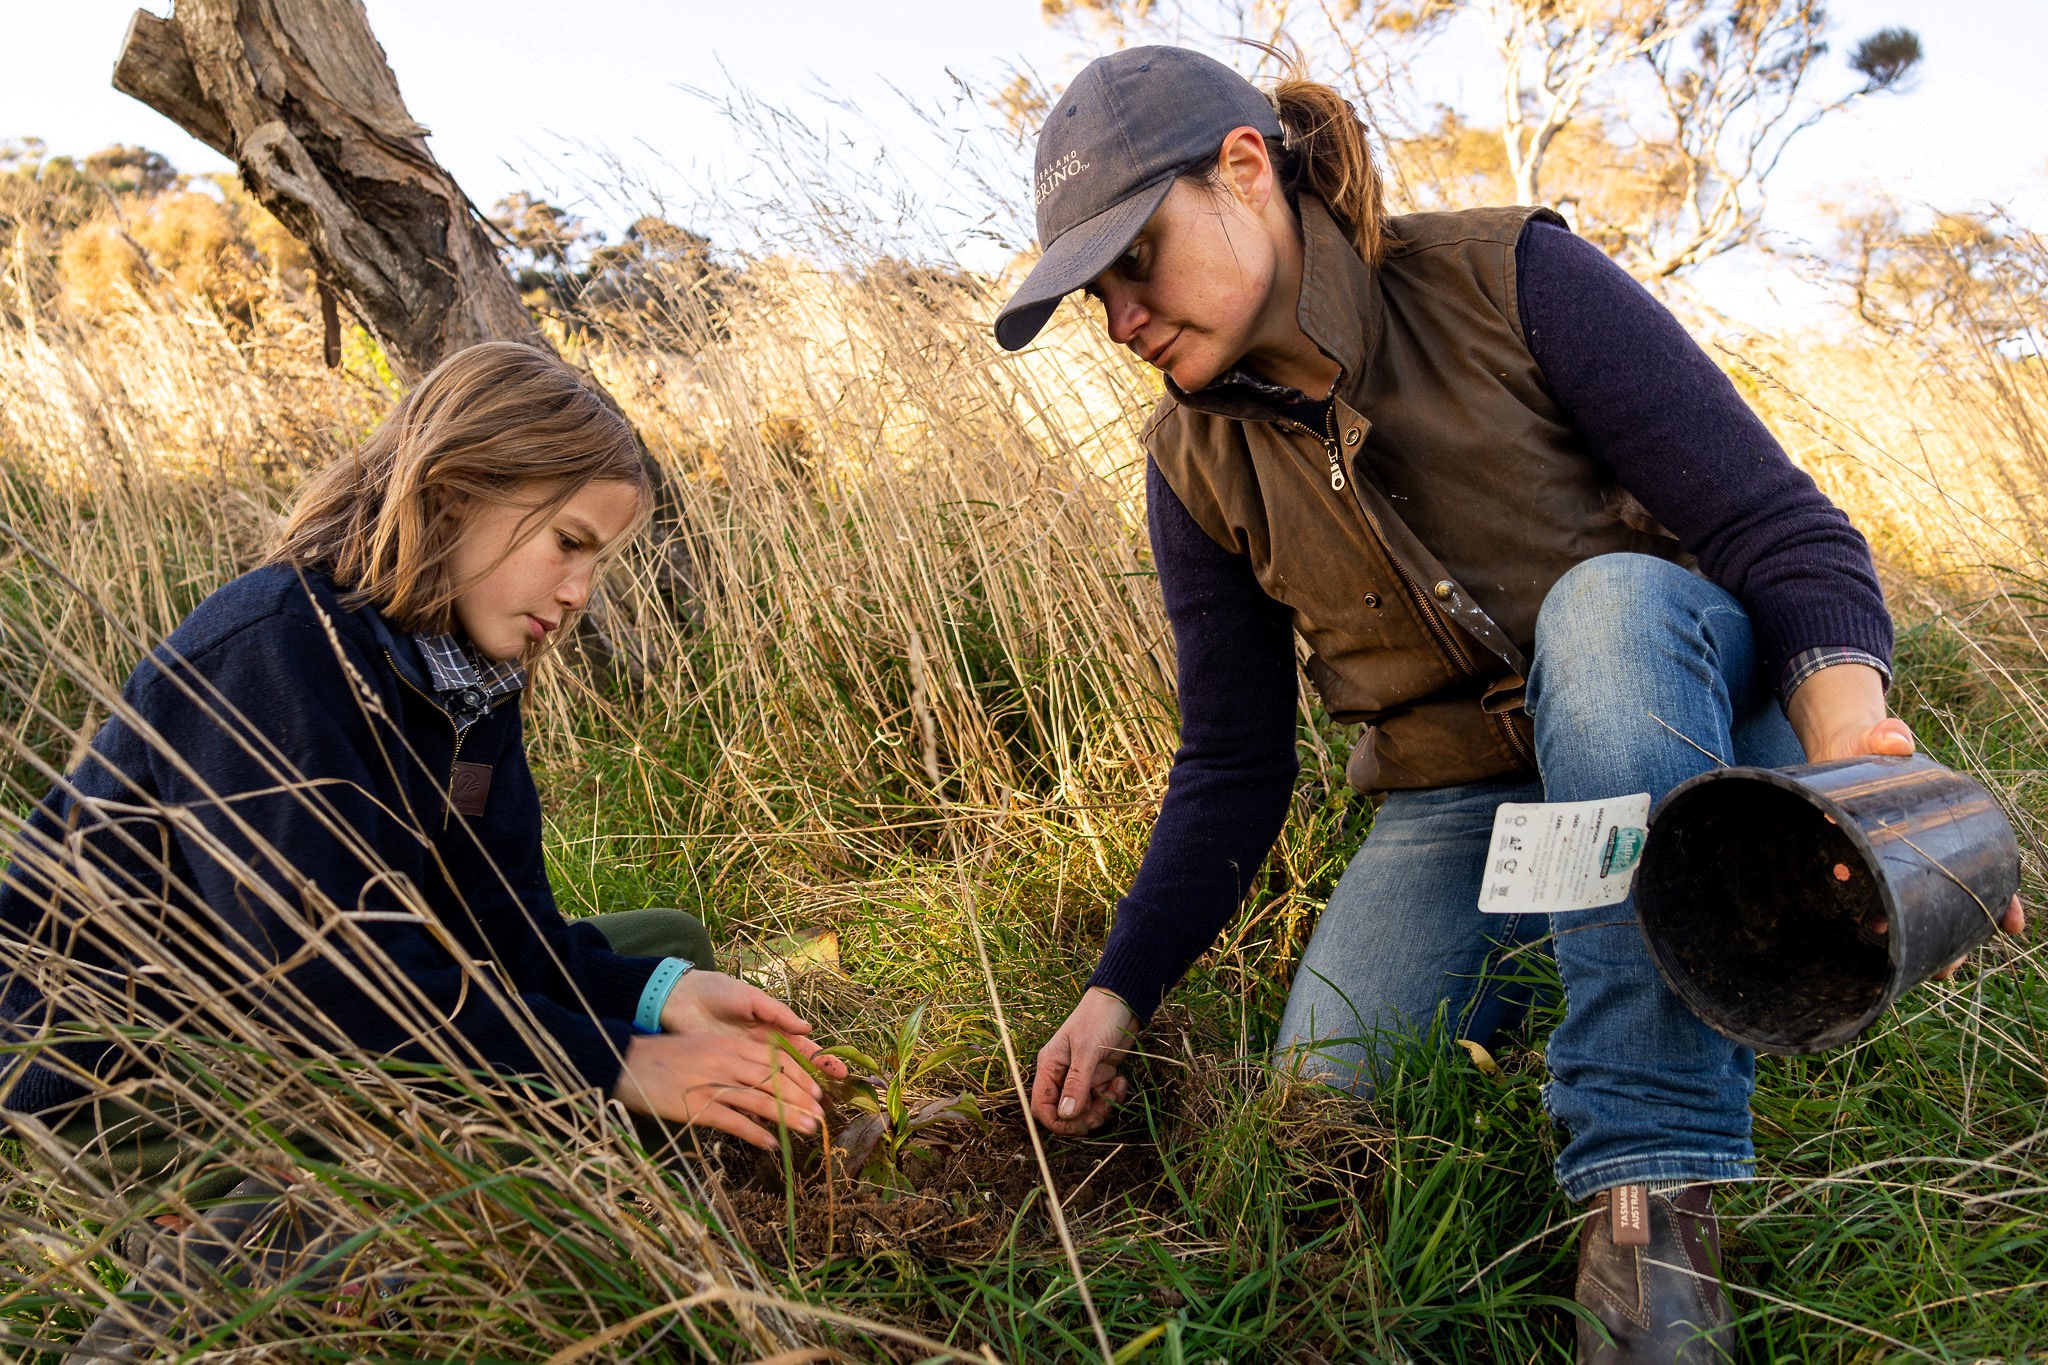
1075 257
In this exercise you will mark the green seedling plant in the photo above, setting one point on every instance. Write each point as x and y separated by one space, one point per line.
886 1137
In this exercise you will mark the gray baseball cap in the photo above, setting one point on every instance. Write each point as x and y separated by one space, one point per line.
1129 125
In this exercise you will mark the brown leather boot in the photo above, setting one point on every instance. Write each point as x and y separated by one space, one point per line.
1650 1269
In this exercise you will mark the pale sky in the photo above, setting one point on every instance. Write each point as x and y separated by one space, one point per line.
520 94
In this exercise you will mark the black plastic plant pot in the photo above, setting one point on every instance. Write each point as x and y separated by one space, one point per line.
1788 907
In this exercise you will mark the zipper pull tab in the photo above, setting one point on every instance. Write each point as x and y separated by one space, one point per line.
1337 479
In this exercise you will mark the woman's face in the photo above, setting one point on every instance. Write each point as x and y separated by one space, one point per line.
522 579
1195 291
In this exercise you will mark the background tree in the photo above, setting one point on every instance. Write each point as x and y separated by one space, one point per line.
545 234
659 273
1919 276
1556 58
659 267
1654 125
543 244
42 199
1733 104
101 232
132 170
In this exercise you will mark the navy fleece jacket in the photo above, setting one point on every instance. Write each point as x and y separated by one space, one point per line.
1662 419
332 696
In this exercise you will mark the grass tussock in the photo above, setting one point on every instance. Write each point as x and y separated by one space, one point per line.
896 643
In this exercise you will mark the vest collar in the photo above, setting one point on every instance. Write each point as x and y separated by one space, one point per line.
1340 294
1340 311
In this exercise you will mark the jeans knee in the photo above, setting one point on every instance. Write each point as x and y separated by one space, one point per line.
1609 598
1615 608
1341 1066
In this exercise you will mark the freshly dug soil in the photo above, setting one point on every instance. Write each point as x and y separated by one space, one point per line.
963 1205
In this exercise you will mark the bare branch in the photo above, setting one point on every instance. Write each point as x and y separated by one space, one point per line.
1718 90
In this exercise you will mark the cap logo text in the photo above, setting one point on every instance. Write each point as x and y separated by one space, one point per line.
1054 175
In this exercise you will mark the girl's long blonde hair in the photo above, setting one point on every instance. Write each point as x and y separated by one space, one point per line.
491 419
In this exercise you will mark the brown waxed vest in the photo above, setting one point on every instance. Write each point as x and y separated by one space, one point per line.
1415 539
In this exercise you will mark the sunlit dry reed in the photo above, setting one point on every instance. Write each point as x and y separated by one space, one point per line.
899 576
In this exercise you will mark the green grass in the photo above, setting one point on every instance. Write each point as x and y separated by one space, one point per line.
771 779
1901 1212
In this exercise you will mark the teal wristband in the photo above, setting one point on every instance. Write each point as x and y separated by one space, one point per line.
648 1017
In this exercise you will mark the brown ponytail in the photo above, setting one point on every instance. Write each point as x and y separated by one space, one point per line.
1326 152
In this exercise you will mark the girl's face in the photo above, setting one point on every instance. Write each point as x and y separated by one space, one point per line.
1196 291
523 579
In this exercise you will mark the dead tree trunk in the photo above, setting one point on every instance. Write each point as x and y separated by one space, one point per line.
297 93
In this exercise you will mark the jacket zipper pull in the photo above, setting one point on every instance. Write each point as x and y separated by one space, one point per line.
1337 479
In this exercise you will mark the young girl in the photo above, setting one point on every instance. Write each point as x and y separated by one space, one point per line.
1466 459
315 801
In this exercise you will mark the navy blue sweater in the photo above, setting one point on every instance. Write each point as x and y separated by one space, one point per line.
334 697
1655 412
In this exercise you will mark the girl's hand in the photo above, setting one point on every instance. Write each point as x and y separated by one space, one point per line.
1839 713
712 1002
1078 1082
737 1085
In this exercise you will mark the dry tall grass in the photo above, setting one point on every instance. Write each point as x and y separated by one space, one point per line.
906 576
916 570
901 577
1932 437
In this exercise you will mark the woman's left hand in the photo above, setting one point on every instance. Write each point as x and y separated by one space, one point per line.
1839 712
712 1002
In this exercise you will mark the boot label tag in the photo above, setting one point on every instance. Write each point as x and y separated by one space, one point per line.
1548 856
1629 1208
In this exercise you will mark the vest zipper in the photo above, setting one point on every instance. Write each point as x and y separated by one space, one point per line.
1431 619
447 787
1514 738
1337 479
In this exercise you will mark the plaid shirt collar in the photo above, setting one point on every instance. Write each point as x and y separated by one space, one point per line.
466 682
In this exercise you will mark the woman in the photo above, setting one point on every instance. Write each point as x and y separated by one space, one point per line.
1463 456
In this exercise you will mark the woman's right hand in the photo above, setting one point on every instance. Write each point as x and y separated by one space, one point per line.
736 1084
1078 1079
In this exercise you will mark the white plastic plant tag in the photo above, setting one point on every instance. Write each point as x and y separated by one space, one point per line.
1563 855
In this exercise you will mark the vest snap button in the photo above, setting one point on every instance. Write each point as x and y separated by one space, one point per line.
1443 590
1351 437
1372 599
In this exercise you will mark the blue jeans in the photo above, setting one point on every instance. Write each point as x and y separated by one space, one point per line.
1634 657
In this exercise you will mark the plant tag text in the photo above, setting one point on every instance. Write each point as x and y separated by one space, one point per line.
1548 856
